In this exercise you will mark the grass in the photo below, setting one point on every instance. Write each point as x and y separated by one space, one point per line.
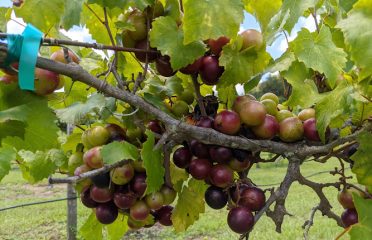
48 221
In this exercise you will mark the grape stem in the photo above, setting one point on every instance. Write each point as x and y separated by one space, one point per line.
199 97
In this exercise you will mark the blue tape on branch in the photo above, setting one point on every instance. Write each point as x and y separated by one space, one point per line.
27 61
14 49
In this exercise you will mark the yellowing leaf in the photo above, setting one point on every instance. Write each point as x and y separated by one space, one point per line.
185 213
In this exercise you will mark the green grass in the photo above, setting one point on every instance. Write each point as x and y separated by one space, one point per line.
48 221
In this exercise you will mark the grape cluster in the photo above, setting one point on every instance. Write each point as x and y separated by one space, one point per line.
123 189
345 196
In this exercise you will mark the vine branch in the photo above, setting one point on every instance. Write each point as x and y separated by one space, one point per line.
81 177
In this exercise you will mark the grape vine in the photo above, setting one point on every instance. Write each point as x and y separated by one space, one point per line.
159 118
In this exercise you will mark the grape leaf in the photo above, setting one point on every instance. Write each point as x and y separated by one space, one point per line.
78 112
358 33
40 131
3 19
304 91
184 213
153 163
49 13
142 4
226 95
205 19
156 101
129 65
37 166
12 128
347 5
117 151
172 9
95 26
286 18
167 37
319 52
240 66
117 229
332 105
7 154
263 10
109 3
91 228
362 159
178 176
363 229
72 12
282 63
18 113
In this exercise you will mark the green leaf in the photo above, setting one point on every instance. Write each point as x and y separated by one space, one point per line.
40 130
142 4
358 34
72 12
49 13
71 142
12 128
226 95
287 17
283 63
117 151
347 5
304 91
363 229
156 101
362 159
319 52
205 19
153 163
18 113
263 10
7 154
332 105
91 229
36 166
110 3
167 37
95 26
240 66
117 229
3 19
185 213
79 112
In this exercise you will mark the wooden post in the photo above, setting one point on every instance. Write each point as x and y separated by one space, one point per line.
71 212
71 204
